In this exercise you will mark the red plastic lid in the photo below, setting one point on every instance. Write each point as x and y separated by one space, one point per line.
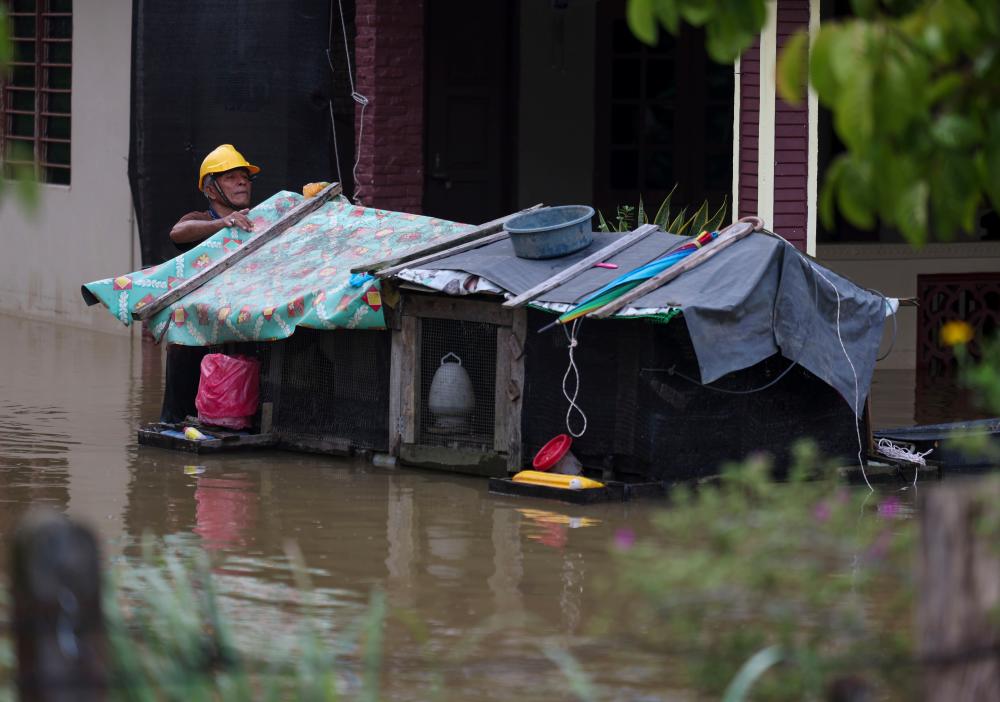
551 452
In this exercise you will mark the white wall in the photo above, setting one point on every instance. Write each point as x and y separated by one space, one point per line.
84 231
893 269
556 103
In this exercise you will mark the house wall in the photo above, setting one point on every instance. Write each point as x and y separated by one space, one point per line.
892 269
791 140
748 86
555 132
389 62
83 231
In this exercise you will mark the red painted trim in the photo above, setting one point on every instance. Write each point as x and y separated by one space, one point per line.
748 125
791 140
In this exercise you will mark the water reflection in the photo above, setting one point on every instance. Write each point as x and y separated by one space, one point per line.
490 579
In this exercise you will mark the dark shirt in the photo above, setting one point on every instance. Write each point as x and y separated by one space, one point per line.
205 216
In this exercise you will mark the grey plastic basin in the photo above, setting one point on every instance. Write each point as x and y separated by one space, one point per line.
551 232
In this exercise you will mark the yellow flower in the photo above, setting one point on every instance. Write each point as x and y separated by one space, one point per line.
955 332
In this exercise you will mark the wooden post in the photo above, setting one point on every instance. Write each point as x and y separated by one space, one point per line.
958 588
58 621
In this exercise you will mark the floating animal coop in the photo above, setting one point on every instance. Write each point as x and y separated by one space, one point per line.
647 413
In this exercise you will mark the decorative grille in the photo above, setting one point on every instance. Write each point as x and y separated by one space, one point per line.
970 297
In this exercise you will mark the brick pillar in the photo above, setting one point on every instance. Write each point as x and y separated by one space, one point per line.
389 58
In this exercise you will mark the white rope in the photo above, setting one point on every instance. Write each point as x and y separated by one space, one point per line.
857 399
888 448
892 450
571 338
355 95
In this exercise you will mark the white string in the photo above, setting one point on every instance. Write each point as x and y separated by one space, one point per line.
355 95
857 399
571 338
892 450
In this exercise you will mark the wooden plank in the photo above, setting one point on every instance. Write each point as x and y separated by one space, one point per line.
288 220
515 389
316 444
57 619
501 413
607 252
457 308
958 591
471 239
409 407
727 237
395 392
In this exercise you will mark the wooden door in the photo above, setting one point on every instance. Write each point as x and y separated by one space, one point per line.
663 116
468 164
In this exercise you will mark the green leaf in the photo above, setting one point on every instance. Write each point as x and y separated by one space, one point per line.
991 158
698 219
821 74
641 217
853 116
854 192
642 21
663 214
696 14
6 50
911 213
793 67
602 225
715 221
667 14
955 131
676 227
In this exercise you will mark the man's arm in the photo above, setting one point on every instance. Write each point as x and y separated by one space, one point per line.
192 229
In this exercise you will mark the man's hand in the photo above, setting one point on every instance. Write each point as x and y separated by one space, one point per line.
239 219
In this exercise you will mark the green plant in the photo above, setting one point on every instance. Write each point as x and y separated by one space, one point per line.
805 569
628 217
912 88
14 162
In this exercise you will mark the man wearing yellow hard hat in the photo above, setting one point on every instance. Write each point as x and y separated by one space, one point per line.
225 179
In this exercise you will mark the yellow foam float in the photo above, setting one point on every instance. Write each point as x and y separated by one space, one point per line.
556 480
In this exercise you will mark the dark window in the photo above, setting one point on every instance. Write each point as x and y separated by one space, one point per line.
664 115
35 92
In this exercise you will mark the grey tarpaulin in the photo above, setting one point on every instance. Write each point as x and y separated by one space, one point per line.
754 299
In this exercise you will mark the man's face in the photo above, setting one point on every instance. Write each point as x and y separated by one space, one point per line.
236 186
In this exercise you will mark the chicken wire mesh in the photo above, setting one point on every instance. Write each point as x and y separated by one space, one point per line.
333 385
457 383
645 419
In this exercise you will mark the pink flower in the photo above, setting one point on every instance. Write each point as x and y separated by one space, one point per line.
889 508
624 539
821 512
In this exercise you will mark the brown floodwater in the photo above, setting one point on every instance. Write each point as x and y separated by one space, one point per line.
492 580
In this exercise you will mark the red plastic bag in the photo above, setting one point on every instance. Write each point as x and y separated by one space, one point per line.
229 390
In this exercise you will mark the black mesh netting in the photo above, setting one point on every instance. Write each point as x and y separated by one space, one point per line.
642 420
333 385
253 74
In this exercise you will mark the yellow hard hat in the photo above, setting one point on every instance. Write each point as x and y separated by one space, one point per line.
221 159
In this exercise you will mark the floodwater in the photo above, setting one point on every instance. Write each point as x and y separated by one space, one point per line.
520 574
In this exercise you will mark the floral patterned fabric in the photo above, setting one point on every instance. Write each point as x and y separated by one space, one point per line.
300 278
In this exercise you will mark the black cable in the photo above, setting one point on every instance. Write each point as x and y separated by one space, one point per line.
673 371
